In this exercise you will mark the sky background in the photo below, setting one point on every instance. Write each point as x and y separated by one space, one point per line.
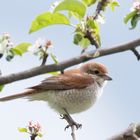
119 104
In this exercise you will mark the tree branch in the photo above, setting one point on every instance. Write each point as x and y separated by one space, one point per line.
131 133
99 8
70 62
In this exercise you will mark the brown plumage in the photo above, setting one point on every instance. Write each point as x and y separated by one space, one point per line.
68 80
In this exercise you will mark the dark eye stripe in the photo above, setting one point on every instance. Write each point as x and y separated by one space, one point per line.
93 72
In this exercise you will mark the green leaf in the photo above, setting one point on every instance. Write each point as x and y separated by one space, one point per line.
73 14
98 40
22 129
129 16
47 19
39 135
84 43
54 58
73 6
53 73
1 87
77 38
134 21
93 25
21 48
113 4
89 2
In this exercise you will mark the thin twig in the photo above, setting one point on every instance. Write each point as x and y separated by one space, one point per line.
83 50
45 56
88 32
1 55
73 132
70 62
136 53
91 38
33 136
99 8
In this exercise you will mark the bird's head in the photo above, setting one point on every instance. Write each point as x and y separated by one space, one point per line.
97 70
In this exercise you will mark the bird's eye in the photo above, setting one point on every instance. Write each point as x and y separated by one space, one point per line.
96 72
93 72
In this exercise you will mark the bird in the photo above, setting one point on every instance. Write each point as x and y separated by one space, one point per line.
73 91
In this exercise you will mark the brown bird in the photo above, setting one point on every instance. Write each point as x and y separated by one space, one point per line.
72 92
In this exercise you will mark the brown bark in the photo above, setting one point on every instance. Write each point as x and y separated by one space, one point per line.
129 46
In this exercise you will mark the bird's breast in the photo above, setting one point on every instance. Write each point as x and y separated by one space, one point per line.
73 100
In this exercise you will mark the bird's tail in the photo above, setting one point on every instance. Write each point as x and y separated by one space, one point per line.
19 95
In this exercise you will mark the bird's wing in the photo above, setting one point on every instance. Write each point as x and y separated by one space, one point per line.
65 81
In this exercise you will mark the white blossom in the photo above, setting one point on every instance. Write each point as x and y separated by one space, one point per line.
100 19
135 6
40 45
5 43
6 36
2 49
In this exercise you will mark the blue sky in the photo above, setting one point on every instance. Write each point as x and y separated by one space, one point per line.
118 106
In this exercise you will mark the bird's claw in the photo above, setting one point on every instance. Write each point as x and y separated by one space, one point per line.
71 122
77 125
62 116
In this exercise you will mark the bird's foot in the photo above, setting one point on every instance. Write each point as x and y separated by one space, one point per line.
77 125
71 122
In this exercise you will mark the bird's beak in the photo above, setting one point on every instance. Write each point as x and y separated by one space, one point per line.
106 77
